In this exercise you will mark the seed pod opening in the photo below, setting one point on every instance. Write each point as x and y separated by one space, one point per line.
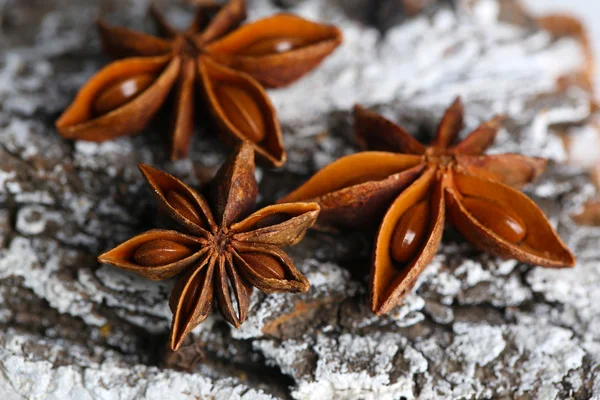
185 207
265 265
120 93
120 99
274 45
279 225
475 221
183 204
499 218
242 109
161 252
191 300
157 254
418 210
410 232
233 292
268 268
276 50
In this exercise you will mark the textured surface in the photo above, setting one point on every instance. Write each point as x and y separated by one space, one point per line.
587 10
474 327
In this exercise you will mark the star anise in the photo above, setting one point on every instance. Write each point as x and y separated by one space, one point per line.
220 247
229 65
415 189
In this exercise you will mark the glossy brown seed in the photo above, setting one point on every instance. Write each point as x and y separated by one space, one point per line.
121 92
274 45
500 219
265 265
242 111
184 207
161 252
410 232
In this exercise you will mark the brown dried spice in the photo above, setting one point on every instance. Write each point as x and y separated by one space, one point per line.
413 190
220 248
230 65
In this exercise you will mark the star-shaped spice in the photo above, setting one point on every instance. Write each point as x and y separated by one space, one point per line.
229 66
413 187
221 248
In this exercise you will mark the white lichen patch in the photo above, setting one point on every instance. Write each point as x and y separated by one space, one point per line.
408 313
283 355
351 367
39 379
20 260
474 344
550 353
577 292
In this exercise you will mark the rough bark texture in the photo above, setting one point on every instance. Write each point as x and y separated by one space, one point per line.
474 327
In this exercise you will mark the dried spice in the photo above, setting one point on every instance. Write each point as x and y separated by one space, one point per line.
221 247
229 65
413 187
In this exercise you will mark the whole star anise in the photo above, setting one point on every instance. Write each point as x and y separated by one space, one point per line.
220 247
228 67
413 191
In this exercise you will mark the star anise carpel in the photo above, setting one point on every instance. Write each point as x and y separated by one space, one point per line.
221 248
413 189
229 64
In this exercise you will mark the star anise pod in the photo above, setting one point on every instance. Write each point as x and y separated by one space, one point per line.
413 187
229 65
220 248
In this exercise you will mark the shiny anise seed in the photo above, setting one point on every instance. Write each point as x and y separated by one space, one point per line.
161 252
242 111
121 92
274 45
265 265
409 232
500 219
184 207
